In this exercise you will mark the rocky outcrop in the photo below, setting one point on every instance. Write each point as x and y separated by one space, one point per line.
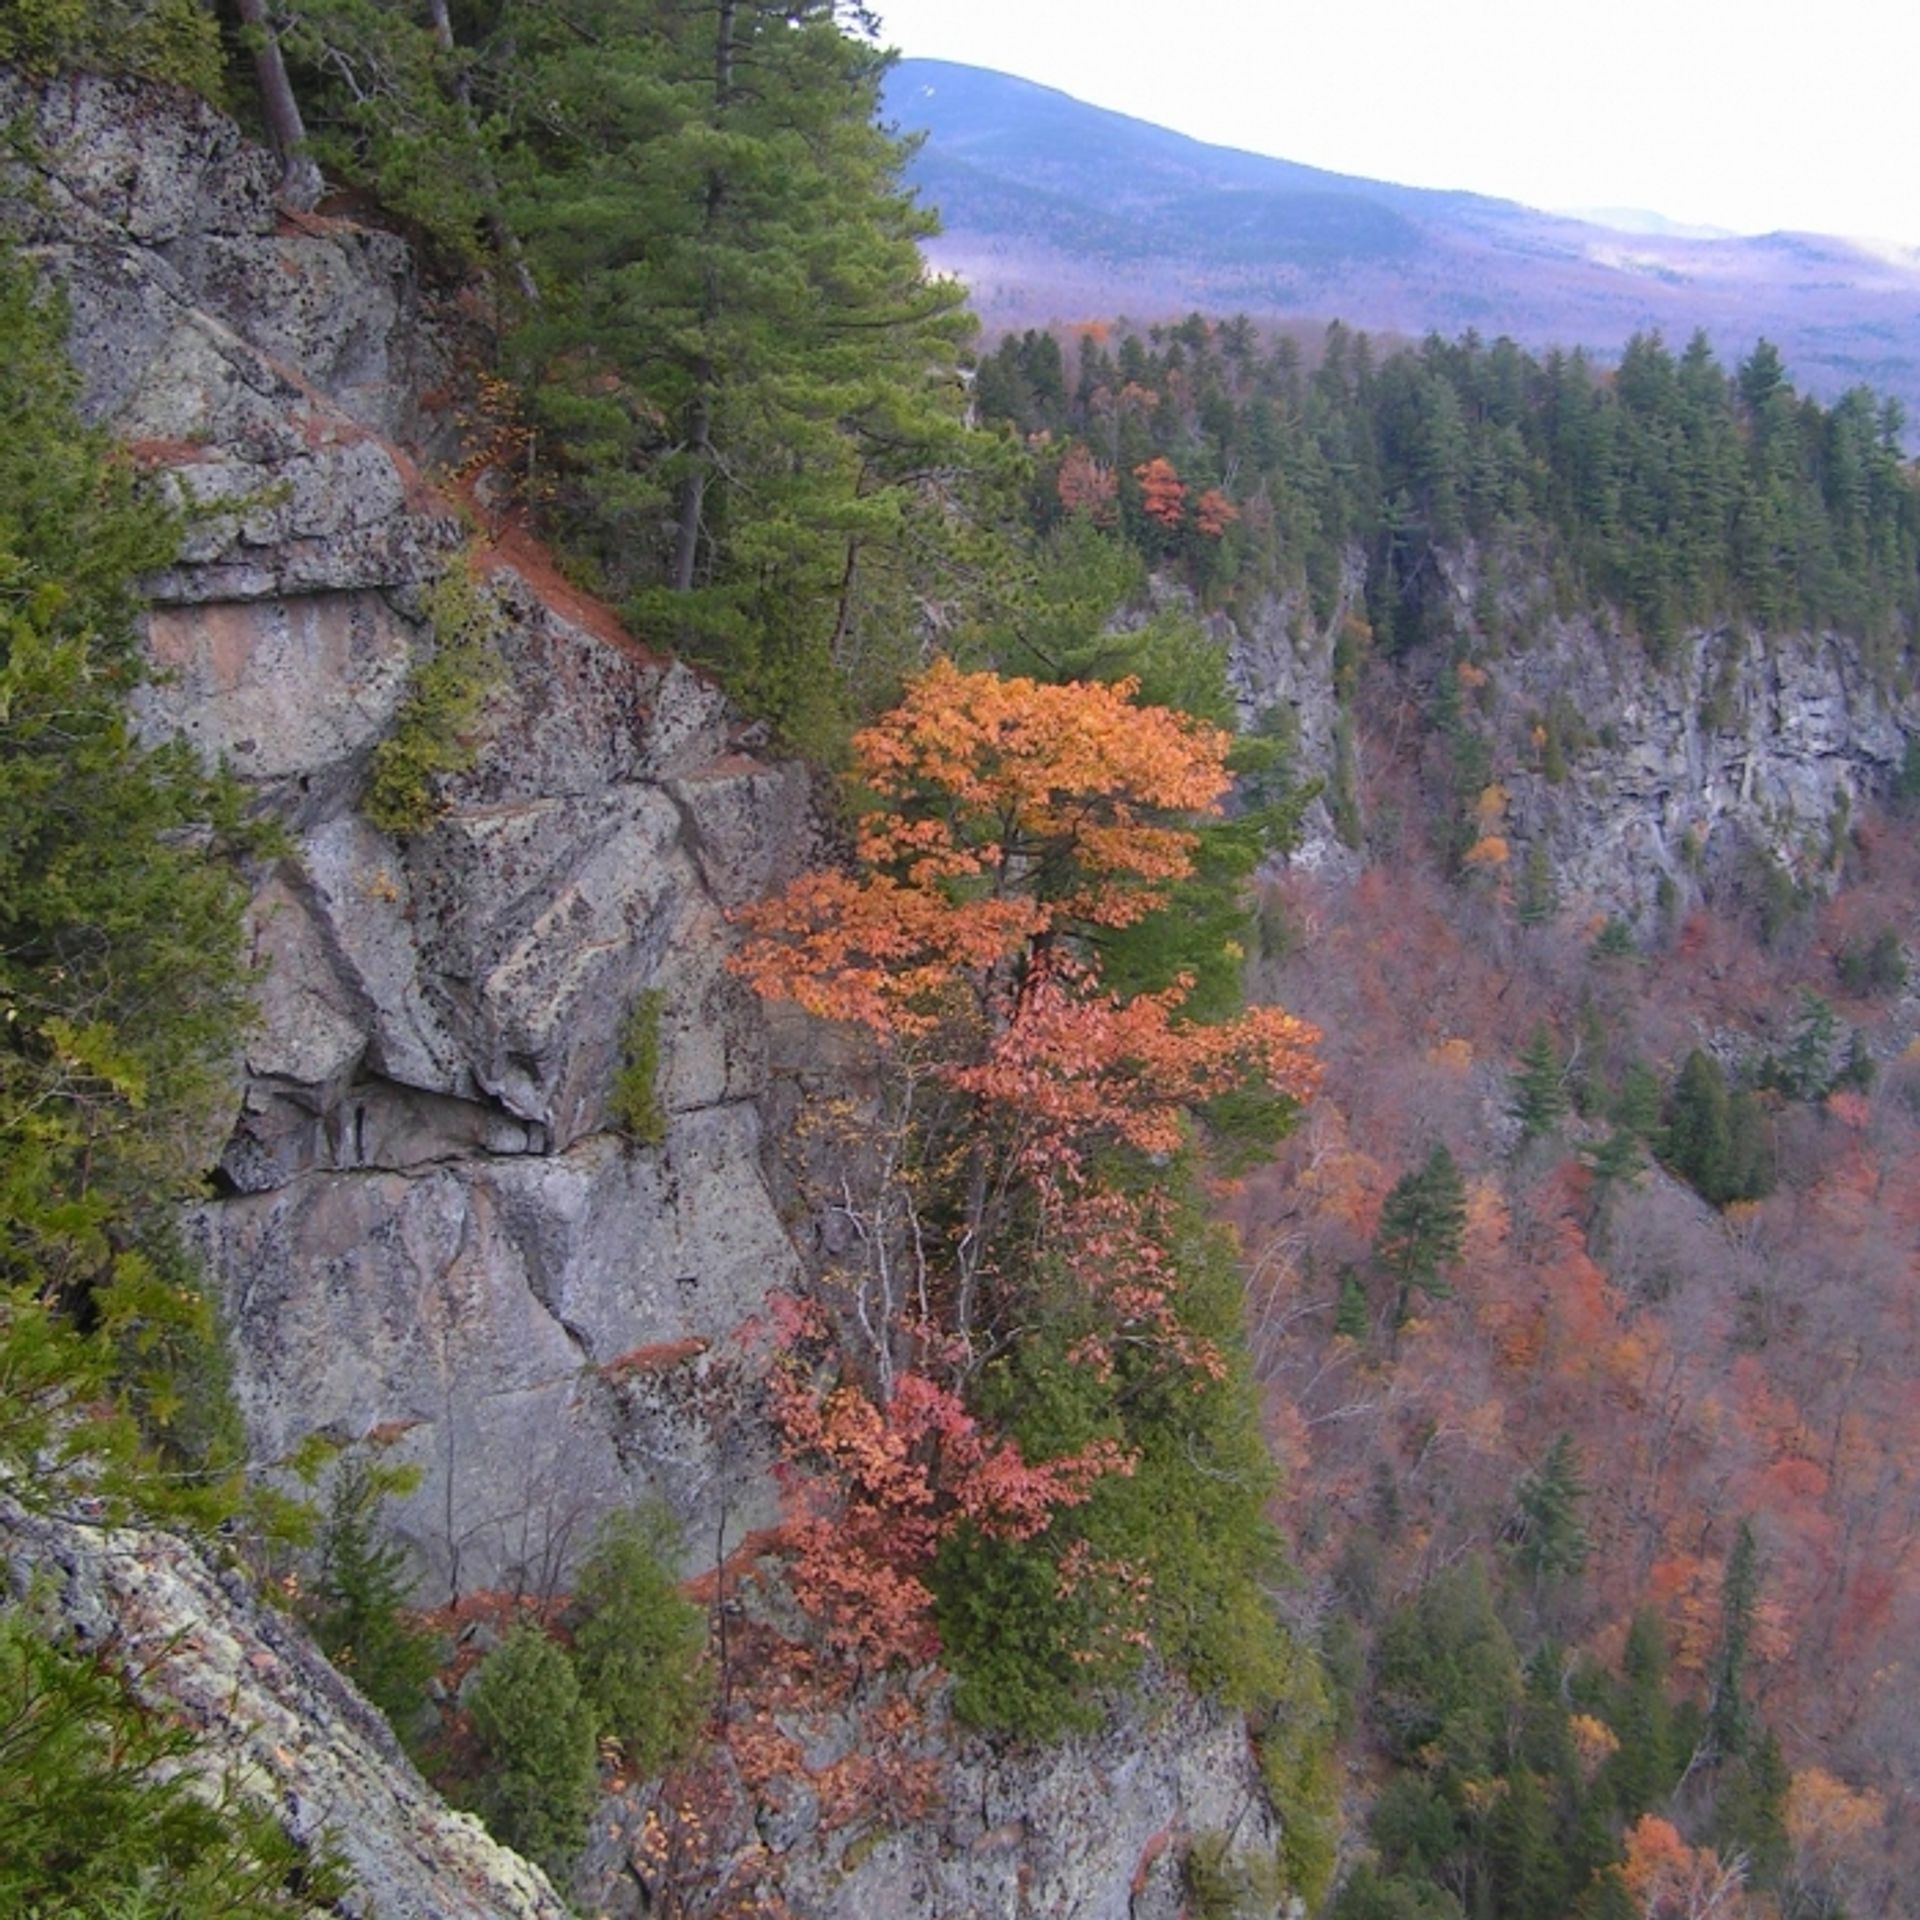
1096 1827
426 1232
269 1717
1741 743
1745 744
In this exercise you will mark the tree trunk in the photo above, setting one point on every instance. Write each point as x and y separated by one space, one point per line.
300 182
504 237
693 490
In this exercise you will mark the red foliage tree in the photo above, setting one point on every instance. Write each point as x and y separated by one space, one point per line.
1163 495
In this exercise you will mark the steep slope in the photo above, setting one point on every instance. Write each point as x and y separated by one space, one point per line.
427 1228
426 1232
269 1712
1057 210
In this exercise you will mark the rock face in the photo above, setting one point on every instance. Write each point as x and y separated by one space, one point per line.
270 1715
1741 744
1097 1827
426 1232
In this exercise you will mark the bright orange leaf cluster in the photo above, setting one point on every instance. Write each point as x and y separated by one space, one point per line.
1163 494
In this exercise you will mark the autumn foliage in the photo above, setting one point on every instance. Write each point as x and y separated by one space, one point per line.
1009 825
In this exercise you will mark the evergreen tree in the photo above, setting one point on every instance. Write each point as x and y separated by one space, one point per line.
359 1615
104 1812
1805 1070
753 382
1750 1809
1351 1318
1729 1718
1714 1137
1641 1772
537 1734
1538 899
122 985
1539 1087
1422 1229
1522 1857
638 1644
1552 1543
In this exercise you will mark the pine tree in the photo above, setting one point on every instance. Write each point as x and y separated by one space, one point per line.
638 1643
1538 899
1729 1719
1539 1087
1715 1137
537 1733
1351 1318
122 985
752 381
1422 1229
360 1614
1553 1545
1521 1851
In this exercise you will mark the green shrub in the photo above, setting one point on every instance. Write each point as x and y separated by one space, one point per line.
638 1646
1296 1731
168 40
359 1614
537 1732
633 1104
1225 1885
430 734
1876 966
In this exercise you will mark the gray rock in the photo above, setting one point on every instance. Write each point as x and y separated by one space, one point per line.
1741 743
271 1716
480 1305
1092 1828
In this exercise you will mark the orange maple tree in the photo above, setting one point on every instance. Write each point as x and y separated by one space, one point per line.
1010 825
1016 820
1163 494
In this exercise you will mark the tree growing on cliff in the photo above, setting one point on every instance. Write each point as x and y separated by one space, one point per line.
122 994
1028 1359
748 378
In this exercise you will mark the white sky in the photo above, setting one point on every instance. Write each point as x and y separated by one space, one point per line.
1749 114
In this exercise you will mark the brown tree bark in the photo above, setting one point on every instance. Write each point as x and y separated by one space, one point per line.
300 182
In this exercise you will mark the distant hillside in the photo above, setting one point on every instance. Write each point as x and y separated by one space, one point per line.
1055 209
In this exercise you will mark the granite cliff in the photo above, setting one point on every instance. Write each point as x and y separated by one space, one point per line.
1738 744
424 1229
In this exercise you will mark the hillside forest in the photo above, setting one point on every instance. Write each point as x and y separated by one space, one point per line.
1461 1324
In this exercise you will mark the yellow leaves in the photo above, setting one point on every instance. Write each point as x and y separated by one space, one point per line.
1824 1814
1490 850
1491 807
1452 1055
1594 1744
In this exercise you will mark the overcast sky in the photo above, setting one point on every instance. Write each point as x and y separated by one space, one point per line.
1748 114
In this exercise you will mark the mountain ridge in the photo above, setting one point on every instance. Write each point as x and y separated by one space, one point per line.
1056 210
